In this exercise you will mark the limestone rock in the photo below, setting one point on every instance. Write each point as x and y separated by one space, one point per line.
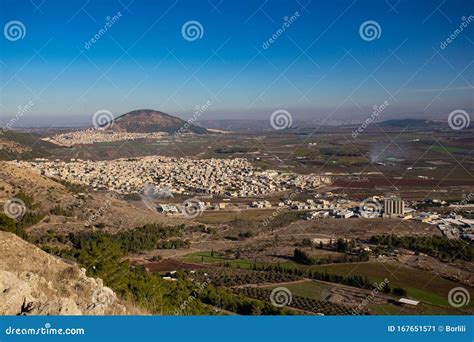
32 282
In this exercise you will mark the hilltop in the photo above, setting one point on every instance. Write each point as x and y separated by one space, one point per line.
148 120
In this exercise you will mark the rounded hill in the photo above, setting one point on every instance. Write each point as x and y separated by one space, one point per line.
149 120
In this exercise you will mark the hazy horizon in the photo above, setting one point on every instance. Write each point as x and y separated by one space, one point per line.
317 117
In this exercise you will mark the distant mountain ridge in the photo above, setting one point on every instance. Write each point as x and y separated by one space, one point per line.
149 120
412 123
308 125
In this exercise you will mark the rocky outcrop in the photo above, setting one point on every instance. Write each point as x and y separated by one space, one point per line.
33 282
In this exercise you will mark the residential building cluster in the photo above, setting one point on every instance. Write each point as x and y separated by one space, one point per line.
225 177
91 136
237 178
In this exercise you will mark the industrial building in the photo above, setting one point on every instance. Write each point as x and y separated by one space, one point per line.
393 207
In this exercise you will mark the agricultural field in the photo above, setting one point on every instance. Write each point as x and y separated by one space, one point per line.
302 303
306 288
420 285
235 218
216 258
232 277
427 287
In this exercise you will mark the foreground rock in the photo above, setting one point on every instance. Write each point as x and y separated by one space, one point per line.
33 282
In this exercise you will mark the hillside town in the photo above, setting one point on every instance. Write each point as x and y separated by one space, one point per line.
92 135
226 177
238 179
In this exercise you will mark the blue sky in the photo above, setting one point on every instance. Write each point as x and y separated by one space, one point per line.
319 67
